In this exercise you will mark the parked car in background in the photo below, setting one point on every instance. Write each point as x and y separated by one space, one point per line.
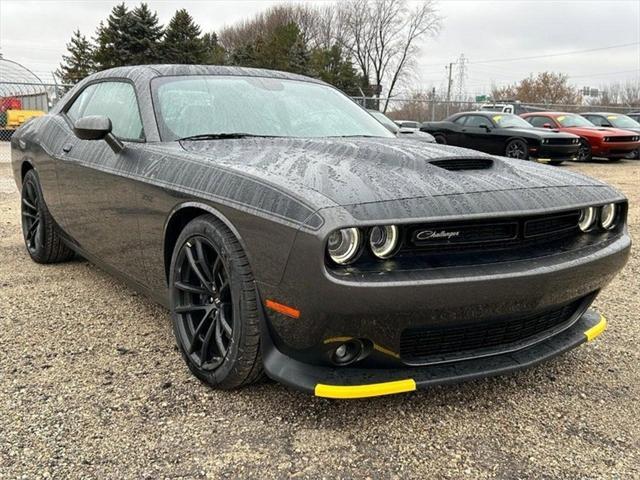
611 143
508 106
503 134
401 132
408 124
634 116
615 120
290 233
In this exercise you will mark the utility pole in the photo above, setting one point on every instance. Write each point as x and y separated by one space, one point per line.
450 67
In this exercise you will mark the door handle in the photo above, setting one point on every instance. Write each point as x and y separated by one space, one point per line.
67 148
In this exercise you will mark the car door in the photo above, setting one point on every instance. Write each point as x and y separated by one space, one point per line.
454 132
475 134
96 188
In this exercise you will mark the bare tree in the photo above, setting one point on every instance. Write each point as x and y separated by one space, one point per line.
544 88
382 37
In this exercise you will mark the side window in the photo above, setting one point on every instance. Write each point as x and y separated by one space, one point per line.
594 119
539 122
477 120
461 120
75 111
115 100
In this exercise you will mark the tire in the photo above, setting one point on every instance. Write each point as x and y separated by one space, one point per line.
441 139
517 148
214 305
584 151
40 232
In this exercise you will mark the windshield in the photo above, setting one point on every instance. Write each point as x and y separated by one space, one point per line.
508 120
622 121
573 121
200 105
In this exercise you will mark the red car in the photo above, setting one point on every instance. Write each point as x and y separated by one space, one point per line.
611 143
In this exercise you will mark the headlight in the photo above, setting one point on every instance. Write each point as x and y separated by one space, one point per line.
343 245
608 215
545 140
607 139
587 218
383 240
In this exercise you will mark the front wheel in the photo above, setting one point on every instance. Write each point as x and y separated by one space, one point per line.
214 305
40 231
441 139
517 149
584 151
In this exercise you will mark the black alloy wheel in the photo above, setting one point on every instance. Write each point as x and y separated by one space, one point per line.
31 219
214 305
441 139
584 151
517 149
42 236
203 306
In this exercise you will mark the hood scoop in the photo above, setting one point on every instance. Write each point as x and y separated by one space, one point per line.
456 164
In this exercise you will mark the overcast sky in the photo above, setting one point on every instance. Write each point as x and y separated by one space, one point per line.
35 33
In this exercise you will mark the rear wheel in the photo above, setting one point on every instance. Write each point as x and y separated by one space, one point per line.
517 149
584 151
41 234
441 139
214 305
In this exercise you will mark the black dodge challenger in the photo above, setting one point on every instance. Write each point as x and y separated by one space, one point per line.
504 134
290 233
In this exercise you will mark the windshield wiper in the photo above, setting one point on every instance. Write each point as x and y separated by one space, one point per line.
222 136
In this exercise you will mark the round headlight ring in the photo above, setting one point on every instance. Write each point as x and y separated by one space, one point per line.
383 240
587 218
343 245
608 215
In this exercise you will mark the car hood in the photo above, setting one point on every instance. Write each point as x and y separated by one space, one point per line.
350 171
600 132
538 132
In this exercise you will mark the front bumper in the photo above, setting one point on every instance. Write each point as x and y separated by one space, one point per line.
554 152
347 383
614 149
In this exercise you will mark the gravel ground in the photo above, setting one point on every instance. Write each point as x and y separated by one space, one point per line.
91 386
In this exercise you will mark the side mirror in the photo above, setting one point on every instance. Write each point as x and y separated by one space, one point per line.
97 127
486 127
547 125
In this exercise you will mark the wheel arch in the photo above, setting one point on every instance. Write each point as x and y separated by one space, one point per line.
24 168
179 217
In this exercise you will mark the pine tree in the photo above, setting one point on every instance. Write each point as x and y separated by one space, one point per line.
332 66
214 52
143 39
79 62
111 39
182 42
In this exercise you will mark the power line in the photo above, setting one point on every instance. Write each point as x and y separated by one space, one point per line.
575 52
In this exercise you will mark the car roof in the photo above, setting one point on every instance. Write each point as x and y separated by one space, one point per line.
137 72
552 114
602 113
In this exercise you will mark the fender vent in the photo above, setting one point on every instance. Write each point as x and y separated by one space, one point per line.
455 164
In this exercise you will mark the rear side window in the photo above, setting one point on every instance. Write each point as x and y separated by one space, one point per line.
477 120
539 122
461 120
115 100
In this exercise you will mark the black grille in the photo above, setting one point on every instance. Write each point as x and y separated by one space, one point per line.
455 164
621 139
506 233
438 343
560 141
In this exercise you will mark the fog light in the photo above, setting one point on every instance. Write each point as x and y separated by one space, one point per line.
587 218
348 352
608 216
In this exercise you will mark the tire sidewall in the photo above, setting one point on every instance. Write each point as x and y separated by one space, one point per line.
587 146
204 226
